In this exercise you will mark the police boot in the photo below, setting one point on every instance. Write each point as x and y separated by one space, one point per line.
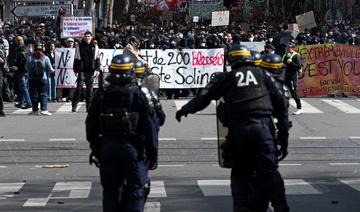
277 194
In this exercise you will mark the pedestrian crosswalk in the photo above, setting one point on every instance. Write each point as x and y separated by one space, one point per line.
309 106
312 105
77 190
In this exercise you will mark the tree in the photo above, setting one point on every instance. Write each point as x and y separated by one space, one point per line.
89 8
108 12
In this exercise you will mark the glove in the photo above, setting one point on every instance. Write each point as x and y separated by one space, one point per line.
94 158
179 114
282 153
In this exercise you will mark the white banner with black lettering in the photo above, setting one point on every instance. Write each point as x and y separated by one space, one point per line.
191 68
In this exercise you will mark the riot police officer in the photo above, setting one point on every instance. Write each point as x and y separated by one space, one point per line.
119 130
251 98
256 57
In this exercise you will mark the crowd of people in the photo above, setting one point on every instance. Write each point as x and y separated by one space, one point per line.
20 39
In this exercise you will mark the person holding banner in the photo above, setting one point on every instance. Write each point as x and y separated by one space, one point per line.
292 62
86 62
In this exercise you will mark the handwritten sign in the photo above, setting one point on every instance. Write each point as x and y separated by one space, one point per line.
76 26
329 69
192 68
306 21
220 18
257 46
203 8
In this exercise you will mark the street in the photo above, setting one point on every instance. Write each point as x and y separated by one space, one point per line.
44 161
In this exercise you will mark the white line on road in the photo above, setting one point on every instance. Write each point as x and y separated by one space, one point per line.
22 111
299 186
12 140
209 139
312 138
65 108
341 105
354 137
36 202
307 108
77 190
157 189
214 187
152 207
344 164
167 139
290 164
3 167
6 188
62 139
171 165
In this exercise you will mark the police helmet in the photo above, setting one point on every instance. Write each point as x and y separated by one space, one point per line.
122 66
257 57
39 46
272 63
239 54
139 68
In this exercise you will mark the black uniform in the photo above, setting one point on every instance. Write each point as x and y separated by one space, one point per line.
127 132
251 98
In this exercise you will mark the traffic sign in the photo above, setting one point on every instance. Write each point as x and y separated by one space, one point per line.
40 10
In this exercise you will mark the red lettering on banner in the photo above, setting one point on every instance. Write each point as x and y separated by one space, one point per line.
198 59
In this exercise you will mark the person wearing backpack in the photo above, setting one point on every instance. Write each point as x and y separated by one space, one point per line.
39 67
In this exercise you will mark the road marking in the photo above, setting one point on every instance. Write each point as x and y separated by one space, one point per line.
157 189
77 190
22 111
180 103
353 183
209 139
6 188
222 187
341 105
290 164
36 202
152 207
312 138
167 139
306 107
65 108
354 137
344 164
3 167
62 139
12 140
171 165
214 187
299 187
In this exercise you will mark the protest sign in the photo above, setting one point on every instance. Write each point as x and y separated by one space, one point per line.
192 68
203 8
76 26
306 21
220 18
257 46
329 69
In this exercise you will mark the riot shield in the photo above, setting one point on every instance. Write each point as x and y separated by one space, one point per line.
222 132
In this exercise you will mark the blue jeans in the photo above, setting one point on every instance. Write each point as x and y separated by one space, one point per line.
39 94
52 87
23 79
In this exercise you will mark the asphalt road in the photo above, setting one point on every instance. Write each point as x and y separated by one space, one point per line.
321 172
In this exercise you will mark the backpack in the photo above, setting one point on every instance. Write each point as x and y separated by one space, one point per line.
37 70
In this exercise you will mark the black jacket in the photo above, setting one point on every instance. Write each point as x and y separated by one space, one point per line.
86 59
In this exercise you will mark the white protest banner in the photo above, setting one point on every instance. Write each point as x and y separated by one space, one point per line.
257 46
189 68
293 27
306 21
64 73
76 26
220 18
192 68
64 62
